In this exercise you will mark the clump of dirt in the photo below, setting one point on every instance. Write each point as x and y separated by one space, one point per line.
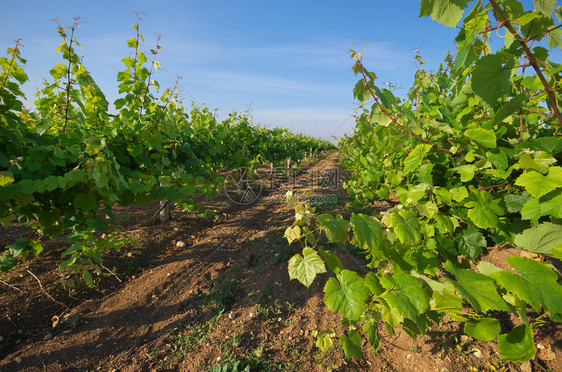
212 294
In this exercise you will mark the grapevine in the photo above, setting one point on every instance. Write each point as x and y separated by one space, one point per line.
65 164
471 160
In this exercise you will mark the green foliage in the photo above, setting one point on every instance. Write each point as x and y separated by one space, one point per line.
484 329
469 159
65 164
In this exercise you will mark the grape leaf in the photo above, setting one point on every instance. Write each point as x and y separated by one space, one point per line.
485 137
373 283
331 260
335 228
540 161
446 12
324 342
368 234
7 261
489 79
538 185
447 301
6 178
467 172
515 202
545 7
509 108
406 226
405 293
545 238
293 233
346 294
534 283
471 243
483 210
352 344
518 345
480 290
305 268
415 157
484 329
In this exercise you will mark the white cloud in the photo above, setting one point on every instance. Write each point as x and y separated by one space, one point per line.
257 83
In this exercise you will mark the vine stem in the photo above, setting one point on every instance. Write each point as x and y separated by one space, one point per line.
393 119
9 285
14 53
69 75
493 187
500 17
44 291
167 102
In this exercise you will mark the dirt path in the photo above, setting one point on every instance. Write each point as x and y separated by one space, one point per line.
113 327
200 294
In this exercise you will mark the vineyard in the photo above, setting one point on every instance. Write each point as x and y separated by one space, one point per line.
429 238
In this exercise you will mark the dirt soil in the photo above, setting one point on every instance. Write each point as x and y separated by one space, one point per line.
203 294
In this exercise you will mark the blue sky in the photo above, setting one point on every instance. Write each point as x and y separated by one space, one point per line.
284 60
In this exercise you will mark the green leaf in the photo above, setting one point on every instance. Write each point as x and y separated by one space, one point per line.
25 186
554 39
373 283
534 283
538 185
478 289
305 268
292 233
515 202
346 294
509 108
545 7
467 172
484 210
498 159
335 228
550 145
87 278
471 243
489 79
545 238
406 226
352 344
459 193
416 156
368 233
535 208
6 178
405 294
324 342
332 260
446 12
487 268
484 329
20 75
540 161
446 301
444 223
7 261
485 137
373 335
86 202
518 345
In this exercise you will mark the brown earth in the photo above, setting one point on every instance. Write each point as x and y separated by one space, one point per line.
223 299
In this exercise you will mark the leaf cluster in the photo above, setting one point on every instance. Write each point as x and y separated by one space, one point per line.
470 159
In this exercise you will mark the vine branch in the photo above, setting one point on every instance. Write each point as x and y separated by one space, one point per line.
500 17
393 119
